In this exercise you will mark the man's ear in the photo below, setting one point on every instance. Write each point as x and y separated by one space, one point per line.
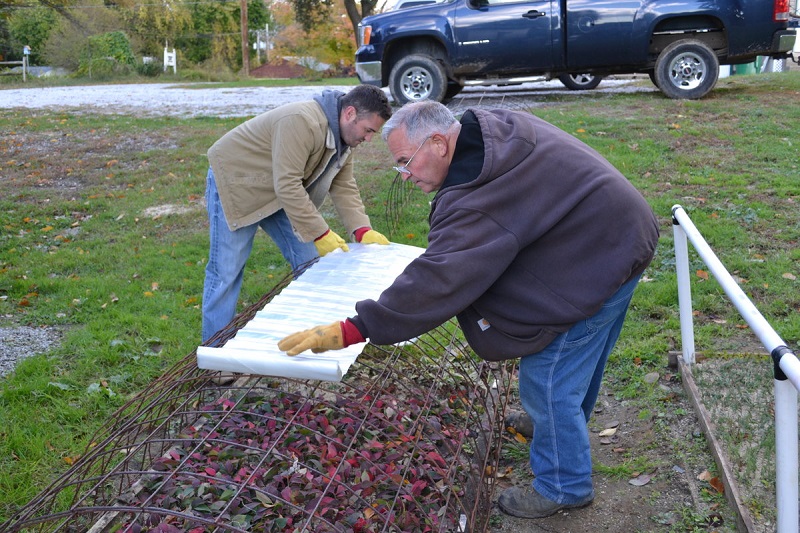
350 113
440 143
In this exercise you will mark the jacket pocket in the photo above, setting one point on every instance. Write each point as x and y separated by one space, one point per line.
492 344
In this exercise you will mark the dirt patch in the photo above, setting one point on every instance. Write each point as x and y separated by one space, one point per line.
278 69
665 496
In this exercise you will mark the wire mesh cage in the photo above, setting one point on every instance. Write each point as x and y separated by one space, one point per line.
407 441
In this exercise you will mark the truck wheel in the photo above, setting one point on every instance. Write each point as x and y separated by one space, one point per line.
653 79
580 82
417 77
687 70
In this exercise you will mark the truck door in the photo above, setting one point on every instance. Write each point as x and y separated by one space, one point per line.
504 36
599 32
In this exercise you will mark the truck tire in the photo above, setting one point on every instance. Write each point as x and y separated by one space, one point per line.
687 70
417 77
580 82
652 74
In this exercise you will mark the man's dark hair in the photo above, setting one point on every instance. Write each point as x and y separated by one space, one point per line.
368 99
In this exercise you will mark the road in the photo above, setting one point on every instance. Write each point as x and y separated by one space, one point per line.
186 99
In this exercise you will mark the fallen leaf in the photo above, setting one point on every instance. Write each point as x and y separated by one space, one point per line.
608 432
640 481
702 274
705 476
789 275
505 473
717 484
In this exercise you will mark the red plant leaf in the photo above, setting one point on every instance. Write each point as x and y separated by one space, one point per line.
417 487
436 458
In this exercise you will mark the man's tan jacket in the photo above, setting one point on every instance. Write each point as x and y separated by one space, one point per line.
277 160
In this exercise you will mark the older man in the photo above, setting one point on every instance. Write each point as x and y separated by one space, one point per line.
536 245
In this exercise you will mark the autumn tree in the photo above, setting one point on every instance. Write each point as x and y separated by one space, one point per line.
312 13
330 41
68 40
58 30
153 24
31 27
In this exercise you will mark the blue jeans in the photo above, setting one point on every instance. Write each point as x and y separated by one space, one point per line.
228 253
558 388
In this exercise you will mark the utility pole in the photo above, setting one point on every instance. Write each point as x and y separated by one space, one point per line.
245 40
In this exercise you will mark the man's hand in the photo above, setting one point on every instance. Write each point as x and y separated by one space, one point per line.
329 242
317 339
373 237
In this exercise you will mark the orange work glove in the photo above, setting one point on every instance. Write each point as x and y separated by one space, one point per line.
328 242
318 339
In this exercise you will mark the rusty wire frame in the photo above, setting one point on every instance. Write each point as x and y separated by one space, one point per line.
414 448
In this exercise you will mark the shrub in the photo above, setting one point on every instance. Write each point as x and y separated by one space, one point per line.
107 54
150 70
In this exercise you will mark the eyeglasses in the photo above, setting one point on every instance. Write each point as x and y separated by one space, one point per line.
403 169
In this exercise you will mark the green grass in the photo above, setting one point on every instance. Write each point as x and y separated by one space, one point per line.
79 250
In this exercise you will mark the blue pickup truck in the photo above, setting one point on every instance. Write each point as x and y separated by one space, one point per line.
431 51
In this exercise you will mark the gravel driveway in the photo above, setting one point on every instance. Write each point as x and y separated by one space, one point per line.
160 99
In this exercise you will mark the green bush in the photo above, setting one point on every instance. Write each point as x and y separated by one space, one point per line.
150 70
107 54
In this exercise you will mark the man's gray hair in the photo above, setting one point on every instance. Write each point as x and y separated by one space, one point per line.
420 119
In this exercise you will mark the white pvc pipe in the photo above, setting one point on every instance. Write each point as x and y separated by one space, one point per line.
786 462
684 293
791 367
752 316
786 446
